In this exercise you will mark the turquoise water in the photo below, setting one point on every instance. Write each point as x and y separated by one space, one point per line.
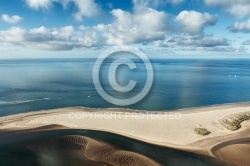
31 85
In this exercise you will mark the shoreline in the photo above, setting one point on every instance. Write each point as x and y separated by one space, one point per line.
182 110
192 109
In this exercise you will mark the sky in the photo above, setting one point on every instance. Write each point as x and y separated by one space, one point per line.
161 28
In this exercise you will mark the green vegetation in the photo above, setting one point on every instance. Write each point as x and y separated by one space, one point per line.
201 131
233 122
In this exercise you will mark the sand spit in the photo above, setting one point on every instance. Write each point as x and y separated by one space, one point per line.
172 130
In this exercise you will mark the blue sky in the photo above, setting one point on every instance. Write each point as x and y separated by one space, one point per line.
162 28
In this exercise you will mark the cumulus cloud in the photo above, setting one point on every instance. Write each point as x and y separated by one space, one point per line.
11 19
142 26
69 38
241 27
194 22
86 8
65 38
14 35
239 8
37 4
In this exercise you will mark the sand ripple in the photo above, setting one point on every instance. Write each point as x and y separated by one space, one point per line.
77 150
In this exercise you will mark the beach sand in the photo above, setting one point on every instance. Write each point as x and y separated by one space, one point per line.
127 137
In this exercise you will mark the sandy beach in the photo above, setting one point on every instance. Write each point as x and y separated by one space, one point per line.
203 132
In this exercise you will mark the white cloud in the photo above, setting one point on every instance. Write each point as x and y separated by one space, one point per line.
154 3
69 38
65 38
194 22
142 26
193 41
11 19
15 35
86 8
241 27
37 4
239 8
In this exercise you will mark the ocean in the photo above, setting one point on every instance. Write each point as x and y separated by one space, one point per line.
40 84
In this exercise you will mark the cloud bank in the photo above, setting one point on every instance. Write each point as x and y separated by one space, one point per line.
65 38
145 23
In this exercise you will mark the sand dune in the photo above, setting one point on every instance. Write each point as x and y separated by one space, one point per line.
237 154
71 150
65 144
175 134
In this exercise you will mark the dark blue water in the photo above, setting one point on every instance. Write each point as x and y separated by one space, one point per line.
31 85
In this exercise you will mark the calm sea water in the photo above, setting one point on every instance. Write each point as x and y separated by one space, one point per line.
31 85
